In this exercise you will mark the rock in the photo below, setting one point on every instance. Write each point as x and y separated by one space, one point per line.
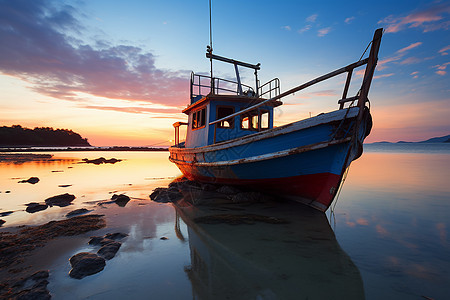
32 180
2 222
116 236
60 200
165 195
95 240
109 250
107 238
64 185
101 160
85 264
121 199
77 212
6 213
164 238
250 197
32 287
228 190
35 207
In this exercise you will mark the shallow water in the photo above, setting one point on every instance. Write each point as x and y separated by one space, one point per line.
385 238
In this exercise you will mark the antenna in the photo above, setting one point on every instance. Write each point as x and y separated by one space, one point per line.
210 47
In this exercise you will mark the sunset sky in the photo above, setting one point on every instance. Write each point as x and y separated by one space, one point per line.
117 72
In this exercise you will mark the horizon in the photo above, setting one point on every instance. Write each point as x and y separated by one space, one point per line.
118 74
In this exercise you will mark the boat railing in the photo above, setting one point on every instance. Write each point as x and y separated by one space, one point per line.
177 125
361 96
270 89
201 86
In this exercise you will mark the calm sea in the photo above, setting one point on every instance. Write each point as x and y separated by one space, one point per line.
386 237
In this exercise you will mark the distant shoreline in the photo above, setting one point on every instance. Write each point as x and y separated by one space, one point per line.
79 149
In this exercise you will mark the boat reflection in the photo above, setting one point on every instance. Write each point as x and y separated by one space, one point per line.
299 259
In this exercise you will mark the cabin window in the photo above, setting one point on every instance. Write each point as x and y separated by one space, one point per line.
255 120
264 119
249 120
222 112
199 118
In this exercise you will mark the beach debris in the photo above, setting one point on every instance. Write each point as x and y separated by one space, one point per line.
101 160
121 199
32 180
31 287
164 238
238 219
7 192
109 250
6 213
33 207
77 212
85 264
60 200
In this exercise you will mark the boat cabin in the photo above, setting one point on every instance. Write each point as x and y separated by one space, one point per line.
215 113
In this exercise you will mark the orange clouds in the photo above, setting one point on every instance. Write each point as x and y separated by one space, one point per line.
430 19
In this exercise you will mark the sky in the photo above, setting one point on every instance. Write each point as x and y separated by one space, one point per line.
117 72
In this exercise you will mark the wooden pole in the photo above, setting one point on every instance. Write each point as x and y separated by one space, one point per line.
370 68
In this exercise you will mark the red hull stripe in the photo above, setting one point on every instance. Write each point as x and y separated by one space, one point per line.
306 188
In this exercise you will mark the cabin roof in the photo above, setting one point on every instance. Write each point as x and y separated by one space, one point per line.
230 98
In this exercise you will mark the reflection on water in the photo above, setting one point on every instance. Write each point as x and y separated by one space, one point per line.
389 236
297 260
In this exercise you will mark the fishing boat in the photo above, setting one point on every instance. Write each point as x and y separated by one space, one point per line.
231 139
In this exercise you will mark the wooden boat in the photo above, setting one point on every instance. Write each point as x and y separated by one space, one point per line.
230 137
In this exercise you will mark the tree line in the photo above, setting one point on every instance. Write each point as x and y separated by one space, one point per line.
17 135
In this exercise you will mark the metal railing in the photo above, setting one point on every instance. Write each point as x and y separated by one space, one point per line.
271 88
201 86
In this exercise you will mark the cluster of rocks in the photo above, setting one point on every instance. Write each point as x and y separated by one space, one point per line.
101 160
14 247
87 263
62 200
206 194
31 287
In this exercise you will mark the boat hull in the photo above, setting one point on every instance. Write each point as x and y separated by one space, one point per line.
304 161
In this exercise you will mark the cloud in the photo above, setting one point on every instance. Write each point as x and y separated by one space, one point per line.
441 69
312 18
304 29
287 27
444 50
38 46
410 61
400 54
430 19
414 45
415 74
383 75
324 31
349 20
133 109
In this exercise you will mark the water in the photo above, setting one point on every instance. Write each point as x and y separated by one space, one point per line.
386 238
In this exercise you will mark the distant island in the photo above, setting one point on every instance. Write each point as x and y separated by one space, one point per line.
18 136
442 139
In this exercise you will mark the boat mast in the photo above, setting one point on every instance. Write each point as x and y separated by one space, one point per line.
210 48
